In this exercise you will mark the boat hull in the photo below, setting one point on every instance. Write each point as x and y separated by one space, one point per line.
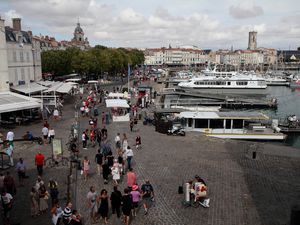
240 91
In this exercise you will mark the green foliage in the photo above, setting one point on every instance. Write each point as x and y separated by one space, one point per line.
95 61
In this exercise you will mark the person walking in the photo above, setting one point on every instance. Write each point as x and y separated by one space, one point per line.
116 198
84 139
129 154
147 195
126 205
7 204
86 167
39 162
56 213
131 124
115 172
103 208
124 142
9 184
53 188
10 137
92 203
10 152
44 196
131 179
34 202
99 161
56 114
105 172
51 134
21 170
135 198
45 132
138 142
118 141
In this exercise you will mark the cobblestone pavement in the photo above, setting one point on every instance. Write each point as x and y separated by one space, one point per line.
242 190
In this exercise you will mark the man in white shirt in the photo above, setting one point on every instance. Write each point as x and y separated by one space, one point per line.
10 137
129 154
7 201
45 132
118 141
56 114
51 134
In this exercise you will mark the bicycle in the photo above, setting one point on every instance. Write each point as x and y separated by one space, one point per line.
52 162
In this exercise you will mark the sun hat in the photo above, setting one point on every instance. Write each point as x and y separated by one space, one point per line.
135 187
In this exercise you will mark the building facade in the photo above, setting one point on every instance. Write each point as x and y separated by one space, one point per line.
23 55
78 41
182 56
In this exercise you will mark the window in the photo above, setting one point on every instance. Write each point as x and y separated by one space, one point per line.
21 56
190 122
237 124
14 56
228 124
241 83
16 75
22 74
216 123
27 56
201 123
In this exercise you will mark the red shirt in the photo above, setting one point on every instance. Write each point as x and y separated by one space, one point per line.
131 179
39 159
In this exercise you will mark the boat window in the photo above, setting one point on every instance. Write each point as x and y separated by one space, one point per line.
228 124
216 123
241 83
201 123
190 122
237 124
229 83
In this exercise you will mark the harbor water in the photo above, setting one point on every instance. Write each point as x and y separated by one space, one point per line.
288 104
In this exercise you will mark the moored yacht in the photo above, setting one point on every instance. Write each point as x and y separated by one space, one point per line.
226 83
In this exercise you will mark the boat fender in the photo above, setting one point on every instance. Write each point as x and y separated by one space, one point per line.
277 129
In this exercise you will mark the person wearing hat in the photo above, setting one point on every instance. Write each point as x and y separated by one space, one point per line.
136 195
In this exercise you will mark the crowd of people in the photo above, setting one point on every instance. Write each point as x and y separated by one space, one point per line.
113 162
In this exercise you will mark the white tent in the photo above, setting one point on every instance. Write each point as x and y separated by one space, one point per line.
29 88
116 103
10 102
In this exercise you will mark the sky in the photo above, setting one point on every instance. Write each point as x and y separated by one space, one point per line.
213 24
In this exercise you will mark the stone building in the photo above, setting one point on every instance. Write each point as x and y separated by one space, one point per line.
20 56
181 56
78 41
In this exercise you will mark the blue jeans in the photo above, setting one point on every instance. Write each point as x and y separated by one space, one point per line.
129 161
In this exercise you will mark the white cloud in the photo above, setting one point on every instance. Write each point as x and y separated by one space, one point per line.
245 11
157 23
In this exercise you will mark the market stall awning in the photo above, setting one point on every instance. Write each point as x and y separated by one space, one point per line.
29 88
10 102
65 88
116 103
54 87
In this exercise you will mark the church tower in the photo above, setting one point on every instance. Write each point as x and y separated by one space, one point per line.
78 34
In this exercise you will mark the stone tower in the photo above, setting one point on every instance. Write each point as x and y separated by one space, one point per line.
4 79
252 42
78 34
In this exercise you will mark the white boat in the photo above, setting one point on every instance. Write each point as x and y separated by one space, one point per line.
233 125
276 81
226 83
